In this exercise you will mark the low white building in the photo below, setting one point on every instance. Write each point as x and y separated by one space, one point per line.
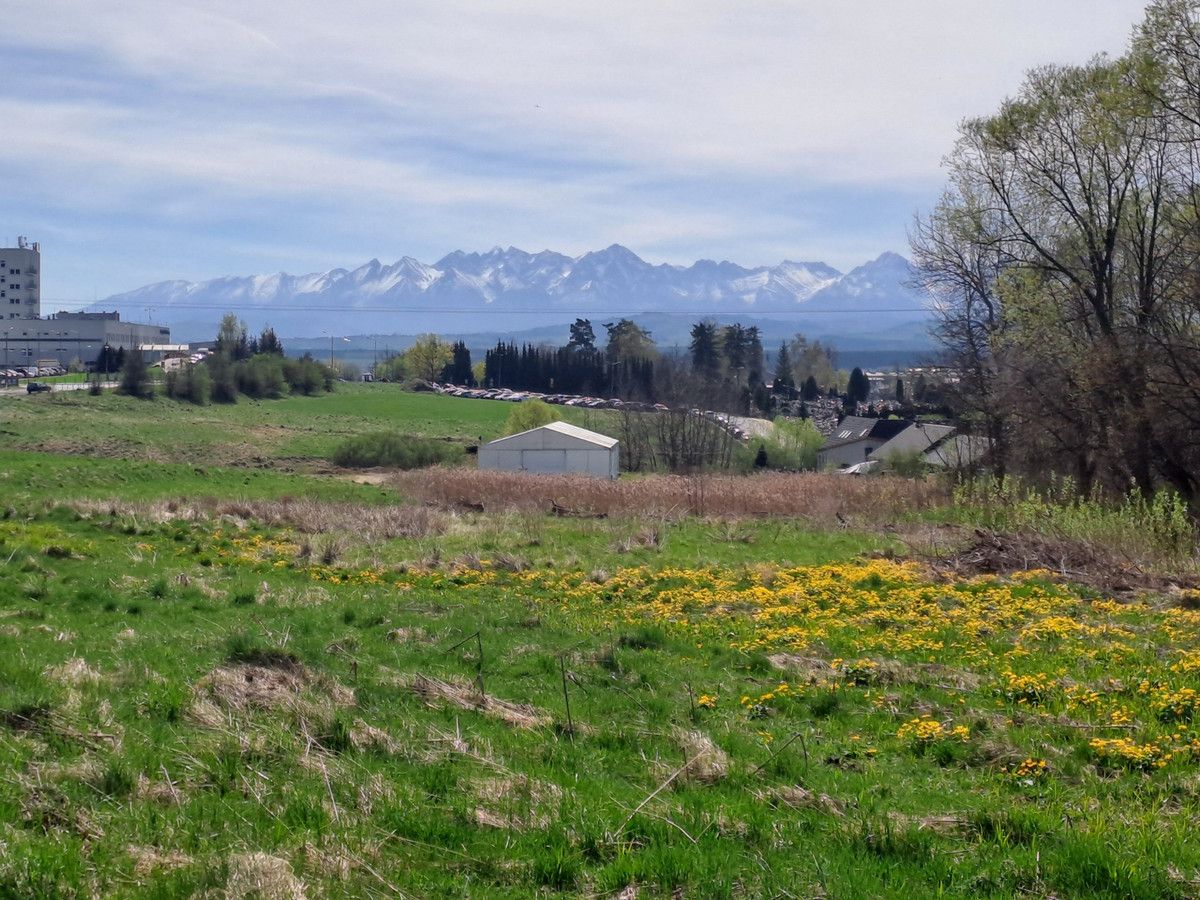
855 439
554 449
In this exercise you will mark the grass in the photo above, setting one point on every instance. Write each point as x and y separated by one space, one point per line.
257 679
184 698
293 432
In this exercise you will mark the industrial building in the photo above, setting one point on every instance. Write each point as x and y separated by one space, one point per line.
27 339
554 449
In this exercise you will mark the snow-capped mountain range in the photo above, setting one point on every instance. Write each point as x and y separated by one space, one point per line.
507 290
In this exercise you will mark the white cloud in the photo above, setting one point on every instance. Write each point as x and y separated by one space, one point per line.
537 123
838 89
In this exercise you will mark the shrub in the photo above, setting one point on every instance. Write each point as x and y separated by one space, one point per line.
1155 527
793 445
223 380
399 451
261 377
135 379
530 414
307 376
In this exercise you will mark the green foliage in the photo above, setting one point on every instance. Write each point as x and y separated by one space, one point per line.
261 377
811 359
907 463
191 383
583 337
394 450
1159 525
307 376
427 357
135 377
793 445
530 414
223 378
859 388
628 341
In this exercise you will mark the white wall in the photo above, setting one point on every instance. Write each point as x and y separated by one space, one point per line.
847 454
598 462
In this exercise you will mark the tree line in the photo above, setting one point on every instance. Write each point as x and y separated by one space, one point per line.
240 365
1064 260
724 367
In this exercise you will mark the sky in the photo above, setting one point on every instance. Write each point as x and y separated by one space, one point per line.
150 140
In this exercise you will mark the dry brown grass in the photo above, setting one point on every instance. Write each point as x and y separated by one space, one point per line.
148 860
797 797
313 517
74 671
883 671
818 497
269 683
517 802
1103 567
467 696
368 737
263 877
706 762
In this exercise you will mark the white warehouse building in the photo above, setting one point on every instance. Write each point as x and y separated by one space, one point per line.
554 449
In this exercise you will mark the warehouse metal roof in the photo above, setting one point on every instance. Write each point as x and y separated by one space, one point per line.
563 428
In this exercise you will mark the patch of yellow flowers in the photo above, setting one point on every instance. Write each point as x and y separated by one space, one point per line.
1038 645
925 730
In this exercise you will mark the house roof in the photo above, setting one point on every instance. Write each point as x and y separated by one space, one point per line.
859 428
918 437
568 430
958 450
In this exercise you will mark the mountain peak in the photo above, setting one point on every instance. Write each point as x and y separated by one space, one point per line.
516 288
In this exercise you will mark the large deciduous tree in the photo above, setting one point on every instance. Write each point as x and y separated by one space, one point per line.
427 357
1063 263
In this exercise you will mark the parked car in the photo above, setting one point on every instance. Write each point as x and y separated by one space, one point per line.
36 387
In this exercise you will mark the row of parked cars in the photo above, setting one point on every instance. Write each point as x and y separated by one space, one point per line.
32 371
719 418
558 399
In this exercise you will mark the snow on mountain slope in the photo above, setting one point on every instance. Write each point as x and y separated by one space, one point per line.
527 288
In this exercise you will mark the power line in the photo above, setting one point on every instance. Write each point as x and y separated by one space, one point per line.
749 313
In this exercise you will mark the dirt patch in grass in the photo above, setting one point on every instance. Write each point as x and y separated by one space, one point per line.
407 635
1076 561
465 695
165 793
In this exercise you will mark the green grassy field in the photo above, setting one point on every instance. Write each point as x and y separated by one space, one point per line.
261 680
298 432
